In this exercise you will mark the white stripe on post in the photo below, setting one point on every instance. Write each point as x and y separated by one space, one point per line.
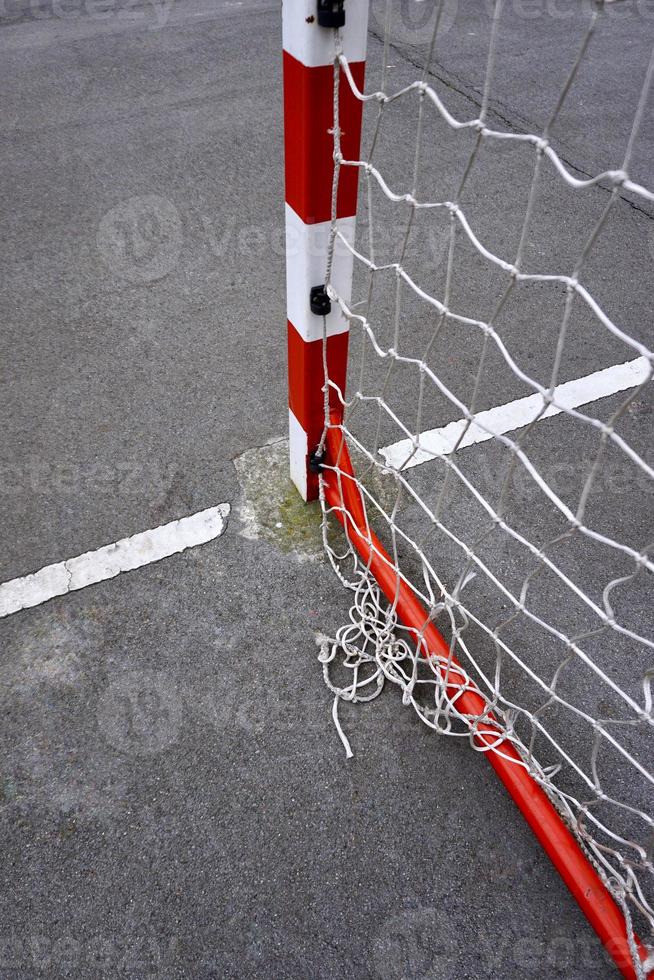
313 45
306 250
298 448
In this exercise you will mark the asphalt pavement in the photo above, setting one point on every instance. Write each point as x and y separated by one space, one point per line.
175 800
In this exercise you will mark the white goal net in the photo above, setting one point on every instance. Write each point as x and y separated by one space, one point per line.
498 408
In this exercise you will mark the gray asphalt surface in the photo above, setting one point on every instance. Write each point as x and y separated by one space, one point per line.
175 801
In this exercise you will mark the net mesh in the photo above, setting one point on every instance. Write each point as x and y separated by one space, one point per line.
498 414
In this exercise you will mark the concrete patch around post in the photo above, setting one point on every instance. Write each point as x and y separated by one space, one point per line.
271 508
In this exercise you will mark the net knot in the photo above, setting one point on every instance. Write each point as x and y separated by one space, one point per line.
618 177
407 695
324 643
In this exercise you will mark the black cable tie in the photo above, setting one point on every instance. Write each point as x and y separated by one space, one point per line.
319 301
331 13
316 461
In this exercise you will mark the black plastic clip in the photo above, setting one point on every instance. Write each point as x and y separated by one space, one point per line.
316 460
319 301
331 13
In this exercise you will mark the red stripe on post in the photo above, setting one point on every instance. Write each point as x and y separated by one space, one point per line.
306 379
309 144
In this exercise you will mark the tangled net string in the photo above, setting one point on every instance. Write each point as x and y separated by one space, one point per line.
608 806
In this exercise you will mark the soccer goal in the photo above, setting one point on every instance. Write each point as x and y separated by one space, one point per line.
470 397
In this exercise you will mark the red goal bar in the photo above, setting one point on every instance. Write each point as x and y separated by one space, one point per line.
344 498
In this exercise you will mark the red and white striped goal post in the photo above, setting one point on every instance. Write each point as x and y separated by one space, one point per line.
308 121
309 64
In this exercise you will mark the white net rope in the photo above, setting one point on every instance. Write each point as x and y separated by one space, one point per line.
541 584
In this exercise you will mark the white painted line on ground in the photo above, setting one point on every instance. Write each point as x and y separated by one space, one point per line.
112 559
517 414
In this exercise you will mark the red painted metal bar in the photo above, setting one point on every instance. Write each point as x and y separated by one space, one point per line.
594 899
